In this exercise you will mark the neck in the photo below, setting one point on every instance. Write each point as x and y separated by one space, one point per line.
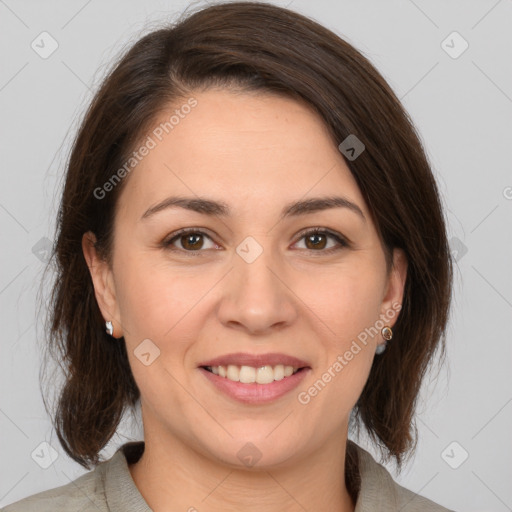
172 475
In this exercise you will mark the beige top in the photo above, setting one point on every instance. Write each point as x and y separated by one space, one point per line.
110 487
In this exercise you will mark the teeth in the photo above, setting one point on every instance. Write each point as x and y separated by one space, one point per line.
246 375
233 373
249 374
279 372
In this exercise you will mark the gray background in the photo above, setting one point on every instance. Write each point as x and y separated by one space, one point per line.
462 106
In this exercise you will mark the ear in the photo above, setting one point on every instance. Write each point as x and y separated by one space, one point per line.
103 281
393 296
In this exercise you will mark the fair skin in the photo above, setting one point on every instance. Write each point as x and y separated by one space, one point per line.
257 153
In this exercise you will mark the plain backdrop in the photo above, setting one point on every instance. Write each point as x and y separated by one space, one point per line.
448 62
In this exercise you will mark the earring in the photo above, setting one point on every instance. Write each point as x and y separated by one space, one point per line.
109 328
387 334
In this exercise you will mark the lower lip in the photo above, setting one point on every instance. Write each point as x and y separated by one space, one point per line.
256 393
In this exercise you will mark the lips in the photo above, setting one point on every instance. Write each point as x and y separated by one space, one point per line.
255 378
255 393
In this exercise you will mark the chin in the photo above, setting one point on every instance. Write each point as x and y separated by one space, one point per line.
260 451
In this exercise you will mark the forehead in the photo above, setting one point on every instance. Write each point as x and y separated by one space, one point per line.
246 149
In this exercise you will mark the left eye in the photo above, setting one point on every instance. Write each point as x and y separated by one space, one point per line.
191 240
317 239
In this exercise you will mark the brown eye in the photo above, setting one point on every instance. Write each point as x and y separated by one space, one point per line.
191 241
316 241
188 240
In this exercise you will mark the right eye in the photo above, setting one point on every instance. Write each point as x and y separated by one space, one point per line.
190 240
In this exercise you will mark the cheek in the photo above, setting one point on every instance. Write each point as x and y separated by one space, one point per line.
154 301
347 305
163 306
346 301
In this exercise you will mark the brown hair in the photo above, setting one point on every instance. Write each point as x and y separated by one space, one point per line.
258 47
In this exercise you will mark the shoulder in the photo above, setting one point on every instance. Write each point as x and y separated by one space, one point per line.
378 490
86 493
409 501
108 487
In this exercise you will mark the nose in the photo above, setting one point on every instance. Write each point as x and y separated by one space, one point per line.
257 296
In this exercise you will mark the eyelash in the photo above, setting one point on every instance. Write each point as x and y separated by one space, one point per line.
167 243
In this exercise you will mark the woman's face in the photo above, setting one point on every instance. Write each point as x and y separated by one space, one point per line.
248 285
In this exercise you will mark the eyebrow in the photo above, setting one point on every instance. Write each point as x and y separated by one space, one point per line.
220 208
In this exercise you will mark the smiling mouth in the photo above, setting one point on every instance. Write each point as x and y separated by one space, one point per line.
250 374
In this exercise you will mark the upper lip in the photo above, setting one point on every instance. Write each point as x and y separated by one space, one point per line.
256 360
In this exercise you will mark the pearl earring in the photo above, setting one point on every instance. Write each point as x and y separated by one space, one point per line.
109 328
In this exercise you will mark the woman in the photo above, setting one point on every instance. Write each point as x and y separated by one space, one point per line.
251 243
